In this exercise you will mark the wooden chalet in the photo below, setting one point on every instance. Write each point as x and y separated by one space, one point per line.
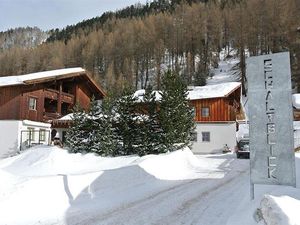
217 108
46 96
217 103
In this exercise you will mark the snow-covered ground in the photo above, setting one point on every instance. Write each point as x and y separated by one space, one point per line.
227 69
48 185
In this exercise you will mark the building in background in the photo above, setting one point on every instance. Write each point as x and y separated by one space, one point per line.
29 103
217 108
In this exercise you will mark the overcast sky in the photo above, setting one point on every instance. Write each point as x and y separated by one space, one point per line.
48 14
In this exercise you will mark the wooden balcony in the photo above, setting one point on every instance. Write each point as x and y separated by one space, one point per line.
51 116
54 95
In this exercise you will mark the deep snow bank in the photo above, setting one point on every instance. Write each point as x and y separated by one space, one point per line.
47 161
44 185
283 210
178 165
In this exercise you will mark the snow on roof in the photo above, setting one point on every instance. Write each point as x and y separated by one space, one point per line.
199 92
67 117
296 101
21 79
36 124
213 91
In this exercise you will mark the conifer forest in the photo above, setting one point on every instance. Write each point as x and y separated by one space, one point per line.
136 45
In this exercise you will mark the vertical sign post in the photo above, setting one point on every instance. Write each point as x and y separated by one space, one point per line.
272 159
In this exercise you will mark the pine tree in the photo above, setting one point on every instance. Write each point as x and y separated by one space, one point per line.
92 127
149 135
107 130
126 125
76 135
176 115
93 131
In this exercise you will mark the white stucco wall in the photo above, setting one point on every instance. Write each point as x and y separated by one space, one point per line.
220 134
37 126
10 135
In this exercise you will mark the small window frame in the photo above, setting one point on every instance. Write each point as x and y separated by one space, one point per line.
30 133
42 135
205 112
205 136
32 103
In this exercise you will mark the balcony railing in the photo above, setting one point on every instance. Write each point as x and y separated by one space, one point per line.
54 94
51 116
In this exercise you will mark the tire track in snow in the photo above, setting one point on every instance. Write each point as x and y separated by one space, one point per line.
210 204
174 205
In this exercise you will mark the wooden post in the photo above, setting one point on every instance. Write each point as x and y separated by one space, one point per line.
59 101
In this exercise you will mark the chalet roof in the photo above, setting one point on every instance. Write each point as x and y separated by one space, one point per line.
200 92
52 74
213 91
46 76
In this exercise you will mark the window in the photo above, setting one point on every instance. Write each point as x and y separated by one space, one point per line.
205 112
205 136
30 133
42 135
32 103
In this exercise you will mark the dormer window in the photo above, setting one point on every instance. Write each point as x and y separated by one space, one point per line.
32 103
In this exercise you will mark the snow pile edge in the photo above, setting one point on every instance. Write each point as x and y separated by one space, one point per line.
178 165
280 210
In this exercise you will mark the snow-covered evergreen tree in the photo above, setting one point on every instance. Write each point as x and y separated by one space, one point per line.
149 136
93 131
106 129
76 137
92 127
126 123
175 115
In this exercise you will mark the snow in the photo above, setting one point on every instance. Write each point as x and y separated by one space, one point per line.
67 117
36 124
296 125
180 165
139 94
21 79
48 185
296 100
199 92
226 71
213 91
243 131
281 210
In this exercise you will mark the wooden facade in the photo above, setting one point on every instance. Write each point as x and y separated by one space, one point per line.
221 109
296 113
47 99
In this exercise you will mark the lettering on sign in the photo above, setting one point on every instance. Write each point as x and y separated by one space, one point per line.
270 113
